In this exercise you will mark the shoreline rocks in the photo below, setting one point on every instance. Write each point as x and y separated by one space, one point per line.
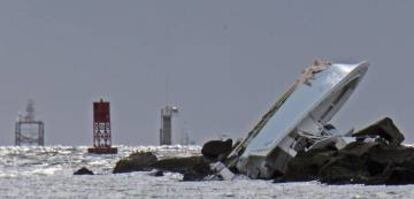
375 158
193 168
379 161
140 161
360 162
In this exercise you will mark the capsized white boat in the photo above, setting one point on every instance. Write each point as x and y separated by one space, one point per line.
299 120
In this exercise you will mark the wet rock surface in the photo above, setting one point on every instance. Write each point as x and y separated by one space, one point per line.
370 163
83 171
376 157
217 150
193 168
384 128
140 161
196 164
382 161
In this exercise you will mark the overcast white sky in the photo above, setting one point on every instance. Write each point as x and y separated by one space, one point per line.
225 62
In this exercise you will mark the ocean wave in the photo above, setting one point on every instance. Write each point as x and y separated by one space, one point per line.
63 160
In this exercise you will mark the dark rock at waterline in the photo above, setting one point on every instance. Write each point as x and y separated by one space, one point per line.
383 161
306 165
198 171
140 161
83 171
182 165
358 163
157 173
377 164
193 176
217 150
195 166
400 176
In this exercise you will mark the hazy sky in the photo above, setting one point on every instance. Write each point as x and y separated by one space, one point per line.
222 62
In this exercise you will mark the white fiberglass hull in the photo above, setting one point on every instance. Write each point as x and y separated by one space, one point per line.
298 119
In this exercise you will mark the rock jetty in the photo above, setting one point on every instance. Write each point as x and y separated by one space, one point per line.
377 156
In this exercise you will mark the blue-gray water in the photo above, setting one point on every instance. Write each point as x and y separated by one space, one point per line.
46 172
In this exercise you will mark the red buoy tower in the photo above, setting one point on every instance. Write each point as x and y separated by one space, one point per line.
102 135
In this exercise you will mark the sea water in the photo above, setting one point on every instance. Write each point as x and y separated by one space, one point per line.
47 172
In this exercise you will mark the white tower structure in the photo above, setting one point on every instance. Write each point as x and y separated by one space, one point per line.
166 124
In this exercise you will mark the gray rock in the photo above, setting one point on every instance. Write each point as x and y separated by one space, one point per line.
358 163
140 161
383 161
196 166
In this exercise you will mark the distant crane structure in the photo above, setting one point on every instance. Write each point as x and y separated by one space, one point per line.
166 124
102 133
29 131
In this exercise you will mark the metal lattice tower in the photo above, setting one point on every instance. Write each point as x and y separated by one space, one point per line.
29 131
166 124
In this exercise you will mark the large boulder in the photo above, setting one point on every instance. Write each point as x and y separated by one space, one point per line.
217 150
358 163
140 161
181 165
370 163
384 128
382 160
350 165
306 165
193 168
400 176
